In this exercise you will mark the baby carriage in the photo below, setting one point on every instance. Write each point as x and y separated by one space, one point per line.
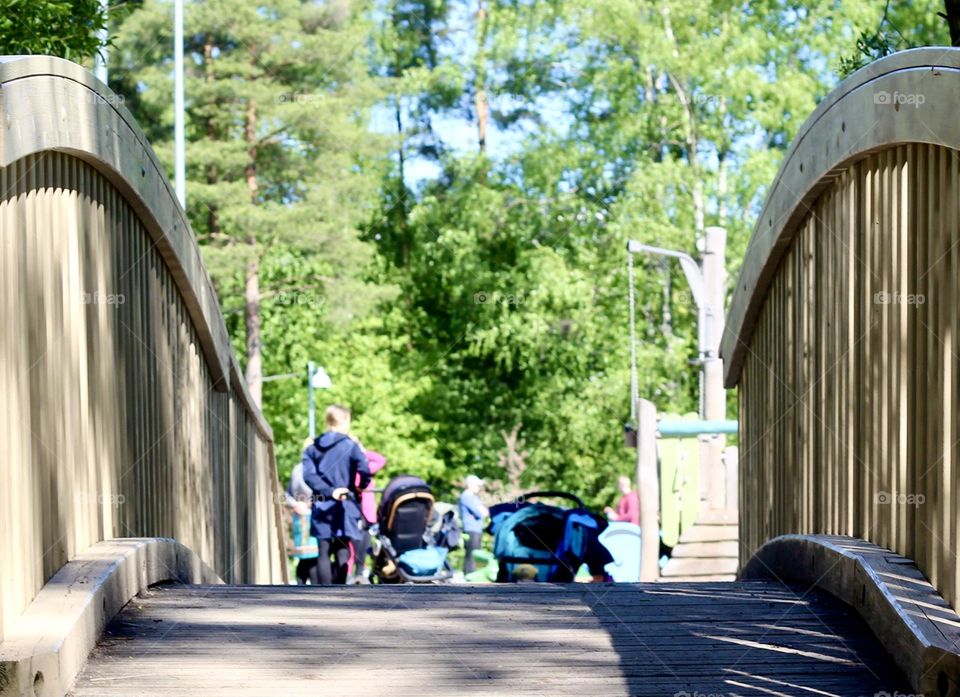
412 542
538 541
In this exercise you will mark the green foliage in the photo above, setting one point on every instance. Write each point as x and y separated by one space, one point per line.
451 309
64 28
258 77
900 26
672 117
299 326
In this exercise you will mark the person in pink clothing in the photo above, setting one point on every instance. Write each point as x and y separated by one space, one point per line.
628 509
368 500
368 512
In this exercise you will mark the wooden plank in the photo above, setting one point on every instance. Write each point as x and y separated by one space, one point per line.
729 548
643 639
685 566
710 533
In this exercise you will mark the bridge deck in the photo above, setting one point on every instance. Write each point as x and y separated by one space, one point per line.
663 639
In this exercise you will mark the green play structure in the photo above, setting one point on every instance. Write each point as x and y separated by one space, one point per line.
679 480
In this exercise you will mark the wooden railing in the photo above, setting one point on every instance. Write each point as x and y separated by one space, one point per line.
122 409
843 331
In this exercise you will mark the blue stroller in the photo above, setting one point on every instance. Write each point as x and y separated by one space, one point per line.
552 541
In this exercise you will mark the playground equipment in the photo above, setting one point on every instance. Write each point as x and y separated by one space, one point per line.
624 543
695 482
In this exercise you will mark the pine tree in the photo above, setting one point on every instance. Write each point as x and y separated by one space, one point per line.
278 97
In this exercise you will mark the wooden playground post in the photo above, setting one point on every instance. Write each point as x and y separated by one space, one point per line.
648 489
713 477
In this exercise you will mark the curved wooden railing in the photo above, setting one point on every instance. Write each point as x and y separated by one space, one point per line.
122 409
843 329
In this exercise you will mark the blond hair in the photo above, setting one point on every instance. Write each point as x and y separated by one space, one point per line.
338 418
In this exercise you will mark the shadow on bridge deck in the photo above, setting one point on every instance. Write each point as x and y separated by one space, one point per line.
663 639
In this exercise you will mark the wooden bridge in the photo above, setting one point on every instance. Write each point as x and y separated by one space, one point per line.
141 545
651 639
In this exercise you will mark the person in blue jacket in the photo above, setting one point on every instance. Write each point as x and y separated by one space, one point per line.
472 513
331 466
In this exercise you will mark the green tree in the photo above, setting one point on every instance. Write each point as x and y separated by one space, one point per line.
65 28
493 308
898 26
278 96
303 325
643 120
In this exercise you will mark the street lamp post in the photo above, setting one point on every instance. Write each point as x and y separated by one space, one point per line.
179 131
312 408
317 379
707 282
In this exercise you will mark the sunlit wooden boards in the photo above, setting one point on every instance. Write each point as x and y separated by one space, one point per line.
538 639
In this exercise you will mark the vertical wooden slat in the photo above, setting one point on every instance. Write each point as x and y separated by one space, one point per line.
903 355
951 402
102 400
845 394
919 382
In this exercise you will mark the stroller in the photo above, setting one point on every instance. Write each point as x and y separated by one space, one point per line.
412 540
542 542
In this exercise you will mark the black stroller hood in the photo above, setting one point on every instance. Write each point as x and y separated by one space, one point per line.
398 486
403 520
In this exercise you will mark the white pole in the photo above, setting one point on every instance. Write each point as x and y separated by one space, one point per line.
100 59
311 400
180 169
648 489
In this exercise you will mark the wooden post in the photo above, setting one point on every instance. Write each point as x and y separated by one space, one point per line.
648 489
714 395
731 458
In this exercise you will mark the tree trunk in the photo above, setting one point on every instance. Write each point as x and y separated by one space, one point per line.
480 92
722 189
213 219
513 458
666 325
252 291
699 216
690 130
402 188
723 152
252 317
952 16
401 164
